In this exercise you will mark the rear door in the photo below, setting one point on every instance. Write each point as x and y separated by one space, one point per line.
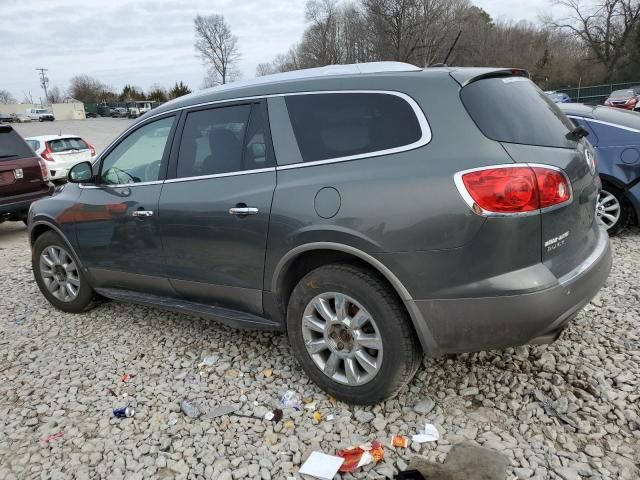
20 172
215 207
533 130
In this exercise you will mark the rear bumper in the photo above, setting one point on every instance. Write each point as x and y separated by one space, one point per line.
473 324
19 205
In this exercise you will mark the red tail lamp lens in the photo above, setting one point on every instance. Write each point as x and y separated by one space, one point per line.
553 187
516 189
503 190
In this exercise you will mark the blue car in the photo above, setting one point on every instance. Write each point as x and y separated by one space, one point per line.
615 136
558 97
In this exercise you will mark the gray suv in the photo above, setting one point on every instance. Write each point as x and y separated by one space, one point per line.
374 212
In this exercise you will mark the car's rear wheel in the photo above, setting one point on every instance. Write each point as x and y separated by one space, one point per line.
351 334
59 276
612 209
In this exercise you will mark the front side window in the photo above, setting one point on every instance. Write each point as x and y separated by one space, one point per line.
213 142
139 156
334 125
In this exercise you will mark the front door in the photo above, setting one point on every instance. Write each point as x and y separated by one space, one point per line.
215 207
117 217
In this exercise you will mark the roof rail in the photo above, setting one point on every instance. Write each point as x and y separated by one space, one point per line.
348 69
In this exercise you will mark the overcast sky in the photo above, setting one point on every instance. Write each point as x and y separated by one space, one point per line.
151 41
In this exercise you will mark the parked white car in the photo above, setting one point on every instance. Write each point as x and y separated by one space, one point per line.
61 153
40 114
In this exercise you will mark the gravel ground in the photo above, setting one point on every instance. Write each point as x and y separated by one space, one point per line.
569 410
99 132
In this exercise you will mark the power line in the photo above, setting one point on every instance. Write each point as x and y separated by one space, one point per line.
44 81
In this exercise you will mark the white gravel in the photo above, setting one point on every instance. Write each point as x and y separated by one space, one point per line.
565 411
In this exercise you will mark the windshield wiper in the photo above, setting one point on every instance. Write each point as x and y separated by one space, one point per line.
577 133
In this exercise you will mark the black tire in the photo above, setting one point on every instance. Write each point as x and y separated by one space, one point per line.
626 212
86 298
402 352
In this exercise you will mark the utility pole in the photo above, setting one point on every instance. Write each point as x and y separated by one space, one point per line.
44 82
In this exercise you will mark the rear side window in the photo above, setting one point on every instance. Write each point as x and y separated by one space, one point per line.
34 144
12 145
335 125
65 144
514 110
222 140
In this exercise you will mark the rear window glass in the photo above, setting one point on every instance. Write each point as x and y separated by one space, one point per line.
66 144
12 145
334 125
514 110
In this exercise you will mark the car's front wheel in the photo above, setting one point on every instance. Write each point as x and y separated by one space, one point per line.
59 276
351 334
612 209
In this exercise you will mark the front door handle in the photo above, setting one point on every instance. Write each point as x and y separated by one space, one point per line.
142 213
243 211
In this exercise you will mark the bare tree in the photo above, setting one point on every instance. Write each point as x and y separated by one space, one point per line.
218 48
157 93
263 69
6 97
88 89
606 27
56 95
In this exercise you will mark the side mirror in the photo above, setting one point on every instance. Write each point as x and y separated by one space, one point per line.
81 173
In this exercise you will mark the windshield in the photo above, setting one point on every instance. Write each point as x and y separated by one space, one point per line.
66 144
622 94
515 110
42 111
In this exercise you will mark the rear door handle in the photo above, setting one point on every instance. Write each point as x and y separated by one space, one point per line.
243 211
142 213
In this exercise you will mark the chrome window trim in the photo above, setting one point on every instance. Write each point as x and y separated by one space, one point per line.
120 185
457 178
602 122
424 139
221 175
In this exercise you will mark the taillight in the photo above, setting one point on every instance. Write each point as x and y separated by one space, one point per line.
93 150
632 101
43 170
513 190
553 186
47 153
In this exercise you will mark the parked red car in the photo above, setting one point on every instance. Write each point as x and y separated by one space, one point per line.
629 99
23 177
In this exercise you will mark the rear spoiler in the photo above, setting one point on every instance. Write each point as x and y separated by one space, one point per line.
465 76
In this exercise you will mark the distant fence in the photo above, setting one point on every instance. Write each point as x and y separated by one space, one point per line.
104 108
595 94
62 111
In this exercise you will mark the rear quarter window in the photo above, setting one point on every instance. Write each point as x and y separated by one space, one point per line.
515 110
12 145
337 125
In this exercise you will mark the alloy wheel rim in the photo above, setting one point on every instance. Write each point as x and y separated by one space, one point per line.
342 338
59 273
608 209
